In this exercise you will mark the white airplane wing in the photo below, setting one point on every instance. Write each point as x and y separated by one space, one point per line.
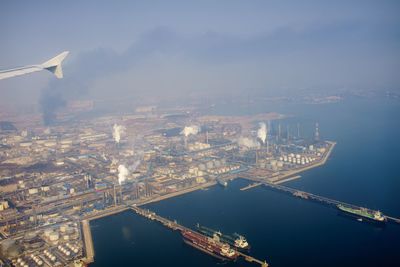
53 65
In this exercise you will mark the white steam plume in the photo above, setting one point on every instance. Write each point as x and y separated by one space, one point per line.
248 143
122 173
117 132
192 129
134 166
262 132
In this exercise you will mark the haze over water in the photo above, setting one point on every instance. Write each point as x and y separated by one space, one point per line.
286 231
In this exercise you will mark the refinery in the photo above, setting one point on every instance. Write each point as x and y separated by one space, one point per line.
55 180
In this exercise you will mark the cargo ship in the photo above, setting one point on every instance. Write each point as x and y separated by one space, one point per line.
363 213
238 241
209 245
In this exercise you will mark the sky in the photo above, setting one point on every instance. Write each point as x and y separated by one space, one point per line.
151 50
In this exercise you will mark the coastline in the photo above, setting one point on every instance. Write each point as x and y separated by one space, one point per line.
87 236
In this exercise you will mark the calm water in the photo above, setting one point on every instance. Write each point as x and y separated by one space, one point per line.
282 229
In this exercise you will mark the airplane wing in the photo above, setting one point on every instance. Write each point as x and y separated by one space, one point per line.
53 65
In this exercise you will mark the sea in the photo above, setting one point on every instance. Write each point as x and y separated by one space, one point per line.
364 169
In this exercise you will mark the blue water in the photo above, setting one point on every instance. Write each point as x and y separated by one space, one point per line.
284 230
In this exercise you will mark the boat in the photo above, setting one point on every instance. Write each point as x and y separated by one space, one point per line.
222 182
238 241
363 213
209 245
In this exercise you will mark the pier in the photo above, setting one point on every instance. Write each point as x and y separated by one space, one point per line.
176 226
88 241
314 197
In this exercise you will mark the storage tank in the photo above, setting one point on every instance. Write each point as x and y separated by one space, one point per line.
33 191
210 165
47 232
202 167
54 236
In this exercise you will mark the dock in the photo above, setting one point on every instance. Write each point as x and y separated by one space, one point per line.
173 225
250 186
88 241
288 179
313 197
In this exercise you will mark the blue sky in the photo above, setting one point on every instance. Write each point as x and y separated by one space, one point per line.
153 48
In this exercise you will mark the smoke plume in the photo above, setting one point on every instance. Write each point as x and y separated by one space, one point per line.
262 132
117 132
192 129
122 173
134 166
248 143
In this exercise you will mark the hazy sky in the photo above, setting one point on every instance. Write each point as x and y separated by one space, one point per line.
168 48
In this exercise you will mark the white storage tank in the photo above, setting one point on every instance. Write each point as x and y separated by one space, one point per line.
54 236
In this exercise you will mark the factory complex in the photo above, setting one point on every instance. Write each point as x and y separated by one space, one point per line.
54 180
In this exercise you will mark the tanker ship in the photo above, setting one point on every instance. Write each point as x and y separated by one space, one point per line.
362 213
238 241
210 246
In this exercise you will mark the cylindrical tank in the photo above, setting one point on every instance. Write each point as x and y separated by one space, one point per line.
54 236
202 167
210 165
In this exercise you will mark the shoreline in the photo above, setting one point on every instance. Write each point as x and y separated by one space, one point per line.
87 235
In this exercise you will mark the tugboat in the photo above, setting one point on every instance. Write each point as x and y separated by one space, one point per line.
238 241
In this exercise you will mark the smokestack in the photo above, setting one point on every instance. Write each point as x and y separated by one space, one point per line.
279 132
298 130
115 197
256 157
316 135
287 132
120 189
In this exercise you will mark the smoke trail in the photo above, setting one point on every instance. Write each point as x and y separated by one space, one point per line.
192 129
248 143
262 132
117 132
122 173
134 166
